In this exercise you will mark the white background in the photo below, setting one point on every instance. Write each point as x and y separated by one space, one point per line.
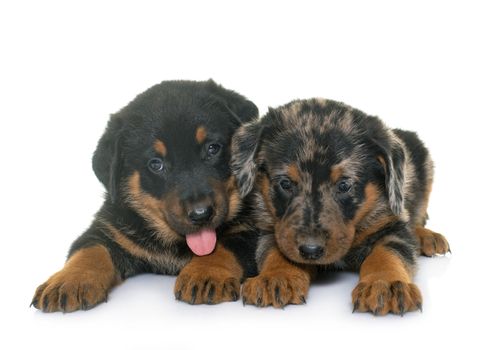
65 66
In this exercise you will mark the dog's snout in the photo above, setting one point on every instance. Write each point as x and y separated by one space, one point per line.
311 251
200 214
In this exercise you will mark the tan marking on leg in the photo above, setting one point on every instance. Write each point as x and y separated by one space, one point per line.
279 283
85 281
385 285
384 264
210 279
430 242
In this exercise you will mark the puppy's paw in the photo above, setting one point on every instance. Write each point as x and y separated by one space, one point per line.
206 286
381 297
432 243
277 288
68 291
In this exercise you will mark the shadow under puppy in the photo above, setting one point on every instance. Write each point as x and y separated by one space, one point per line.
334 187
170 202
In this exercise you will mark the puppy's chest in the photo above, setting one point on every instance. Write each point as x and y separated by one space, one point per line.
166 263
161 258
350 262
148 249
339 265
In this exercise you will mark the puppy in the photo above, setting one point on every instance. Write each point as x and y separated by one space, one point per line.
335 188
170 201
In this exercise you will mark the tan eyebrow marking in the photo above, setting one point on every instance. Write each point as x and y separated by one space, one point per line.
294 173
336 173
160 148
201 134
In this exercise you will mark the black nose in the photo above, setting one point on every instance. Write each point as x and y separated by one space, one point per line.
200 215
311 251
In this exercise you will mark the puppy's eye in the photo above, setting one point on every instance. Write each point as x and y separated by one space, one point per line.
286 184
213 149
344 186
156 165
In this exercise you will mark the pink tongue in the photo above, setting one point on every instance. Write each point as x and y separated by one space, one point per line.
202 242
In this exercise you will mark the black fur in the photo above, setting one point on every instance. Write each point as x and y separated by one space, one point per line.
147 212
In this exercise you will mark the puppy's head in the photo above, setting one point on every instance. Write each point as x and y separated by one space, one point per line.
166 156
323 170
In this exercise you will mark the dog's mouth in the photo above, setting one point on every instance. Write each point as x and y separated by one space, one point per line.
201 239
200 232
202 242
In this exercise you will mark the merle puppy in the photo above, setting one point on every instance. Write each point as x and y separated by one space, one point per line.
170 204
335 188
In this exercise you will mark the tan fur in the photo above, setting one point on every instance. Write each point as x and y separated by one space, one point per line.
340 234
234 198
294 173
385 285
372 194
379 223
85 281
169 262
286 237
201 134
382 161
347 166
336 173
430 242
210 279
383 264
151 209
160 148
157 211
227 192
279 283
264 185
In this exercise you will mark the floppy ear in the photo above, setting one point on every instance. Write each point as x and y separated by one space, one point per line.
245 145
241 108
392 157
107 160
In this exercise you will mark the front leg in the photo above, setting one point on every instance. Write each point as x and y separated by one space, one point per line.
279 283
386 282
431 243
86 279
210 279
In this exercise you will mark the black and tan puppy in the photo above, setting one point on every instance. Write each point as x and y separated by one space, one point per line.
170 203
335 187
